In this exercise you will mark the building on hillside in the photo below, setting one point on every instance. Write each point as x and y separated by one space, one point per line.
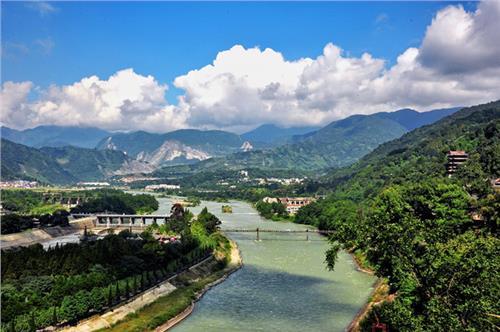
455 159
270 200
496 184
93 184
293 204
18 184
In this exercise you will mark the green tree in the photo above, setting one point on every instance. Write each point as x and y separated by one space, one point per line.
110 296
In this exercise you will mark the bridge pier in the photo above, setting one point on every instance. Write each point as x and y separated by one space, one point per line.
143 221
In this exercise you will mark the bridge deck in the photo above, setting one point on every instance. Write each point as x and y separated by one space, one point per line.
276 231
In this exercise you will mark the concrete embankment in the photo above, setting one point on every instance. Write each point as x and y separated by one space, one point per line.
234 264
42 235
195 272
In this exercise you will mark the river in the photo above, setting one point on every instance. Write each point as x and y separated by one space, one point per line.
283 284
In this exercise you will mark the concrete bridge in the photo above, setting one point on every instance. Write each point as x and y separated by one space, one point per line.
64 200
125 220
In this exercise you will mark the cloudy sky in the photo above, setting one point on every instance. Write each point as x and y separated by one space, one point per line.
161 66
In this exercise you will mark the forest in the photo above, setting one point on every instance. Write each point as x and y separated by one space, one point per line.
29 208
434 238
117 201
64 284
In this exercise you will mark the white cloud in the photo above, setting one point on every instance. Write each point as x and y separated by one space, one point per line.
45 44
458 63
459 41
12 50
125 101
381 18
43 8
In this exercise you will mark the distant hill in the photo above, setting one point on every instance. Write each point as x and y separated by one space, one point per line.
421 152
433 237
338 144
176 147
273 135
23 162
56 136
64 165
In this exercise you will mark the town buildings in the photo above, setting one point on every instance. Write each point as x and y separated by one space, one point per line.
292 204
162 186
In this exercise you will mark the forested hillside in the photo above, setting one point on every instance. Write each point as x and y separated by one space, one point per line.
23 162
62 165
56 136
434 237
338 144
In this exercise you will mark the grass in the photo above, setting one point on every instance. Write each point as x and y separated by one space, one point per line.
163 309
170 305
46 209
361 259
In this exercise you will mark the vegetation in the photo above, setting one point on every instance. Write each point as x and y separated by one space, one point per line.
193 201
338 144
62 165
213 142
14 223
226 209
116 201
274 211
64 284
413 224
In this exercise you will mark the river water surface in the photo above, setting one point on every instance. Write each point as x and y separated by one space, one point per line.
283 284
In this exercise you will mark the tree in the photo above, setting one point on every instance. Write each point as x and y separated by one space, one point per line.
32 321
117 292
209 220
110 296
54 316
127 288
134 285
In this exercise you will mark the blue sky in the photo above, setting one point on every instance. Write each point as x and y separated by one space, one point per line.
160 66
167 39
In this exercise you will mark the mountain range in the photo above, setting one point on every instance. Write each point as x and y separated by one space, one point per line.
56 136
337 144
421 152
64 165
272 135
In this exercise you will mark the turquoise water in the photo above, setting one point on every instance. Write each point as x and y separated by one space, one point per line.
283 285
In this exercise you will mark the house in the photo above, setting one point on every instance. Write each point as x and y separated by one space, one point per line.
293 204
455 159
270 200
496 184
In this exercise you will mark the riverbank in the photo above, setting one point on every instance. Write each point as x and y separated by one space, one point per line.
233 265
379 294
189 286
46 234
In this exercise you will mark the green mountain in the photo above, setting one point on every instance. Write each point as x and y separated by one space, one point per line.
56 136
421 152
63 165
176 147
23 162
272 135
433 238
338 144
